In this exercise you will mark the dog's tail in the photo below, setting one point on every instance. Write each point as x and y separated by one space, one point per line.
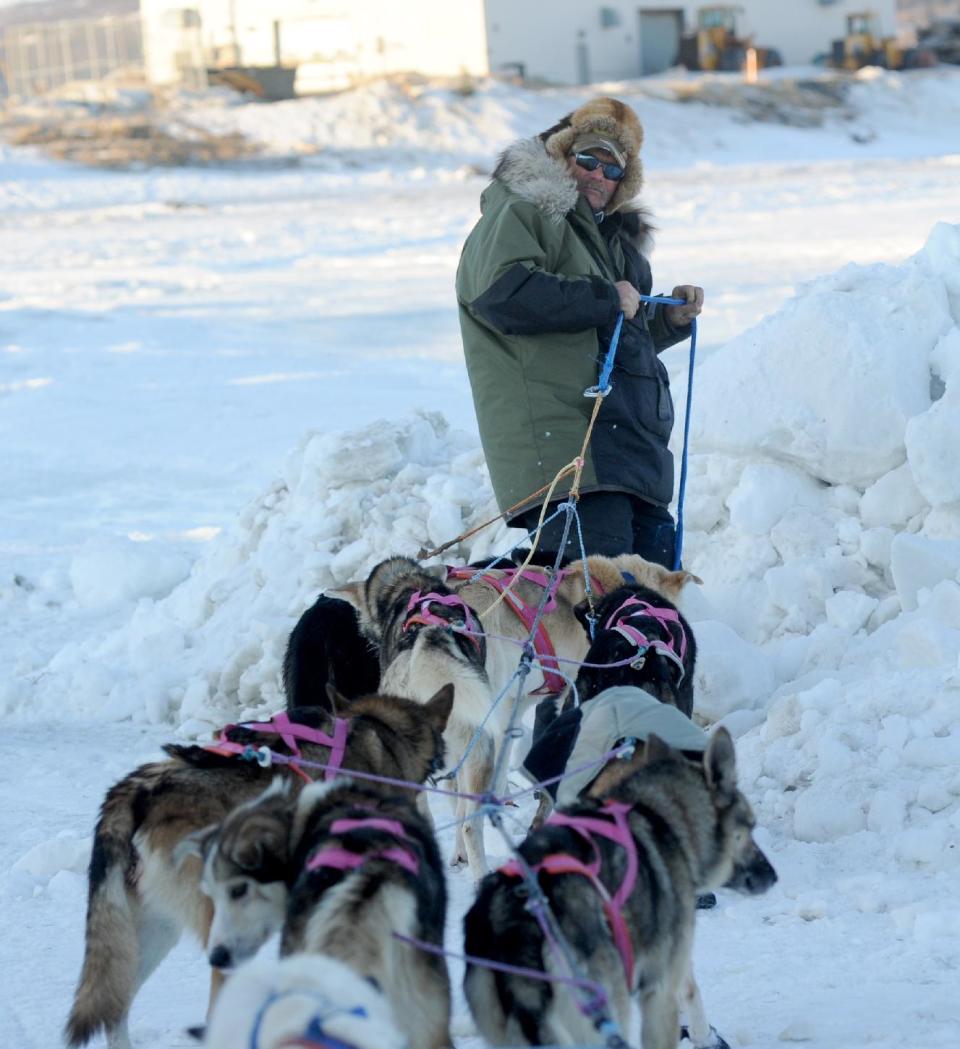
108 979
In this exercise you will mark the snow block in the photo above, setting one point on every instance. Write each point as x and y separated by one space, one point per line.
892 500
785 388
764 494
917 562
731 673
932 441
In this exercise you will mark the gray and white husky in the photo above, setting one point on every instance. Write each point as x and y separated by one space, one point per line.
142 894
683 829
340 869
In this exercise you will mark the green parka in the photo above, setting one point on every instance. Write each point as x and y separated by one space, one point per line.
537 302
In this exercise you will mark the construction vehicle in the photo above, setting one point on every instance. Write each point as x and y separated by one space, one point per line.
941 39
863 45
716 45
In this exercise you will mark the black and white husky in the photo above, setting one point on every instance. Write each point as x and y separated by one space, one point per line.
339 869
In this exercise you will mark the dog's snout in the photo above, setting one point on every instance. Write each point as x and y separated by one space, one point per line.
220 957
760 875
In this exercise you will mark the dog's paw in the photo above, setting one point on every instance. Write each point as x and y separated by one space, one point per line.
706 901
458 860
714 1039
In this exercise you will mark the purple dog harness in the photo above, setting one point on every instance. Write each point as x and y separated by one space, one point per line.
290 732
338 858
620 622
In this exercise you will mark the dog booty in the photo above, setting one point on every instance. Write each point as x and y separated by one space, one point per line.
305 1001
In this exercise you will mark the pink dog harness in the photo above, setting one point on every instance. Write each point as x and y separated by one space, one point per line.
620 622
561 863
553 683
419 611
338 858
290 732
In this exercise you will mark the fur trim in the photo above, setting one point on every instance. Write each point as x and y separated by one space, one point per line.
636 225
608 118
529 171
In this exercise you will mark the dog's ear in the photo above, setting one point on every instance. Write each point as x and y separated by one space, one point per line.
658 750
261 845
349 592
194 844
615 772
338 701
438 707
720 764
672 583
582 610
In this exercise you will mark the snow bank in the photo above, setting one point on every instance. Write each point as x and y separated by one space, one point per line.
825 503
822 515
213 649
399 121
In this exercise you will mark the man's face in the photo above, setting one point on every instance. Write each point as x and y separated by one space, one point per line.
592 184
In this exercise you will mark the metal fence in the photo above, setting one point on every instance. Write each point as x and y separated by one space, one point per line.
38 57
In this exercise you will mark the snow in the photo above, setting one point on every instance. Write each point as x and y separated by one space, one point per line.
224 391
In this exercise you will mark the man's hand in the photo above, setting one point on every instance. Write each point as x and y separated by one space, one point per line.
630 298
681 316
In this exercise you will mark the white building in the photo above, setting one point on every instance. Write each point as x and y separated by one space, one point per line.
336 42
577 41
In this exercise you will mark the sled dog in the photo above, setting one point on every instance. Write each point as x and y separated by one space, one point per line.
327 647
141 899
630 621
621 871
301 1000
635 620
361 863
432 626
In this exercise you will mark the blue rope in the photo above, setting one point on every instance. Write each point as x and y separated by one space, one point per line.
681 493
603 383
603 387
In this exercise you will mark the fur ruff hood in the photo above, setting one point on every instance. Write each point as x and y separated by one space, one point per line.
536 168
527 169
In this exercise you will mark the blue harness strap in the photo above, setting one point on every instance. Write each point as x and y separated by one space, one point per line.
314 1037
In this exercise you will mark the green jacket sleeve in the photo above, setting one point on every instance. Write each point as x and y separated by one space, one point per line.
511 285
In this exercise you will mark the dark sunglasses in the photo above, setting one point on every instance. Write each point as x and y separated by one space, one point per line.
613 172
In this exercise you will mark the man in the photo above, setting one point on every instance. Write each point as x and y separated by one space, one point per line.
555 258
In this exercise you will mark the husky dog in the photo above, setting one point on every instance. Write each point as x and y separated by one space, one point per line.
327 647
301 1000
632 620
638 620
411 612
361 863
624 902
141 899
419 623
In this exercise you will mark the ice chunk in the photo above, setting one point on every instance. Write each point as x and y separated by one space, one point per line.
892 500
918 562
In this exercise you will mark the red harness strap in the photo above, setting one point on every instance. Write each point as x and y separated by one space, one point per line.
290 732
561 863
